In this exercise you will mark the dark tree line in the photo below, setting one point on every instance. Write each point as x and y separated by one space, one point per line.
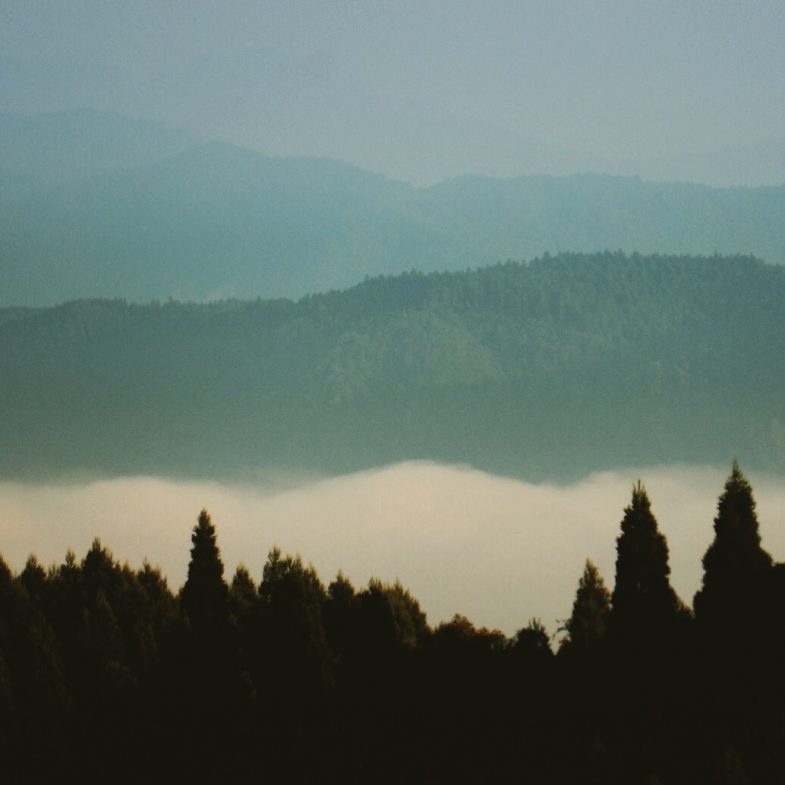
107 675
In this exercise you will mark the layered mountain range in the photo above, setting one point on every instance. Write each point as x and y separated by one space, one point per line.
130 209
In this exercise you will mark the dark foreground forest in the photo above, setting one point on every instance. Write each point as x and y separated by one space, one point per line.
538 370
108 676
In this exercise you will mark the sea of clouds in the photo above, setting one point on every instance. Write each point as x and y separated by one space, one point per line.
497 550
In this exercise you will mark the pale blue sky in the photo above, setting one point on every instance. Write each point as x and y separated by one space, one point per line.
384 83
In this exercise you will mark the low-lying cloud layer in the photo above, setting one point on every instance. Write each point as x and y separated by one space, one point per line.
497 550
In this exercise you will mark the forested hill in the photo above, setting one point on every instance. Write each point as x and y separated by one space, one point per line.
544 370
219 221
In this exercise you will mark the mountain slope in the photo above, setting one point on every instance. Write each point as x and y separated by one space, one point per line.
213 221
217 221
546 370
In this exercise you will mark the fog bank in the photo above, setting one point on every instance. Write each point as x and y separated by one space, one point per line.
494 549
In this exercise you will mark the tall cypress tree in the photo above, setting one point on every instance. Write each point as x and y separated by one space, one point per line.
204 670
736 568
204 594
644 603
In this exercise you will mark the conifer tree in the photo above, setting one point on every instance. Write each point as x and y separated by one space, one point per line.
643 601
588 622
204 595
391 617
206 676
736 567
293 599
32 688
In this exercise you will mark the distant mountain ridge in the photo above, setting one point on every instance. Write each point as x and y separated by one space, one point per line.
761 164
548 371
220 221
57 147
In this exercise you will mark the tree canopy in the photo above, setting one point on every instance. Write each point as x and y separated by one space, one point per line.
105 673
643 601
737 569
204 594
500 368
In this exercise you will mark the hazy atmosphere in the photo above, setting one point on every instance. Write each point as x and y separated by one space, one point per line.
392 392
423 92
499 551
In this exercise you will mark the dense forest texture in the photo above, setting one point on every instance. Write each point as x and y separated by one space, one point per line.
539 370
107 675
219 221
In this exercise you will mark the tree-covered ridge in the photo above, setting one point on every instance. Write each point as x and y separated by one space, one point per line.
107 673
220 221
539 369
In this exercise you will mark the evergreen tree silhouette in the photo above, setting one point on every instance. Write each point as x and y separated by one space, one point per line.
736 568
588 622
294 667
204 595
212 693
33 696
644 605
293 599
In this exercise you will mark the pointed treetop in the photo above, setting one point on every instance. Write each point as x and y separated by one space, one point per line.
735 565
587 624
204 592
640 498
639 502
736 516
642 595
205 554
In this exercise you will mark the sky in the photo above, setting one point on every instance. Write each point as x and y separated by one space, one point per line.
415 89
497 550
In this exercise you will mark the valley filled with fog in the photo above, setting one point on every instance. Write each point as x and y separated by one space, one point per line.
497 550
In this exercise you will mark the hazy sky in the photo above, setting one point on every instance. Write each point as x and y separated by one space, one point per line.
497 550
386 84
